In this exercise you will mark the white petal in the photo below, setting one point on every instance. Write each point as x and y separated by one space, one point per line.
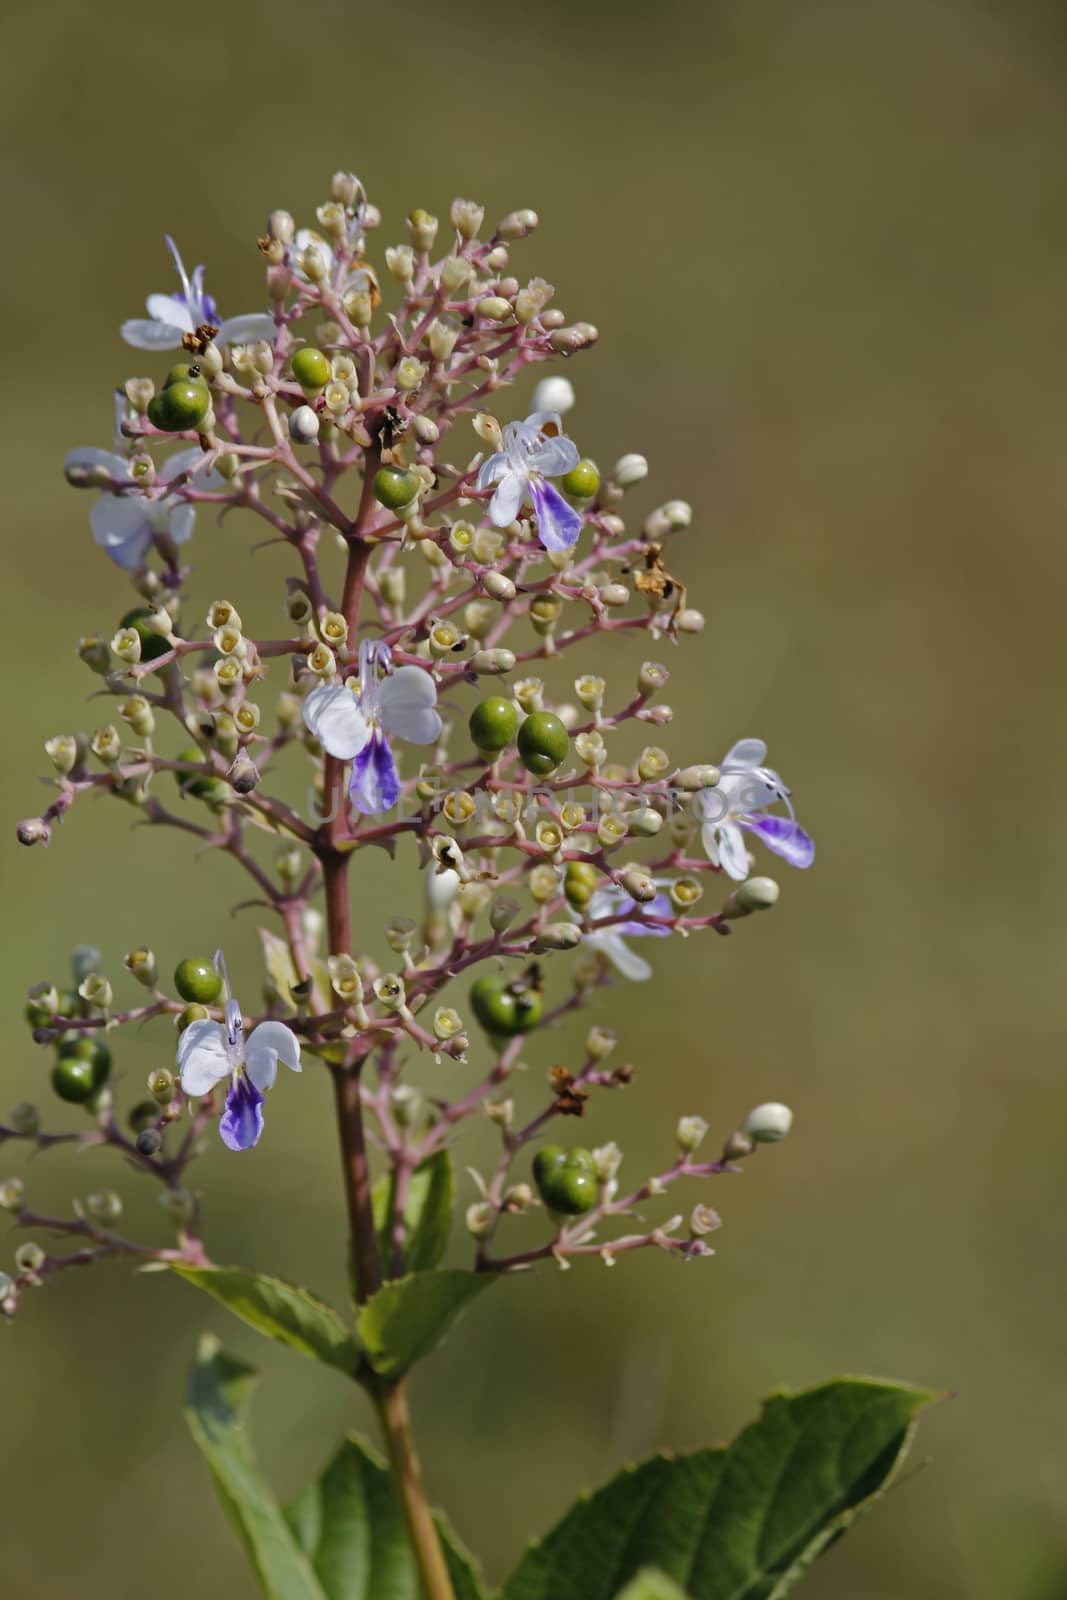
151 335
192 461
86 456
277 1040
121 528
709 838
733 852
504 506
333 715
746 753
407 701
555 457
181 519
491 470
622 958
245 330
170 310
261 1065
202 1057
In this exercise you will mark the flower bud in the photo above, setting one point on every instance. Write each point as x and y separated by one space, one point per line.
410 373
493 308
693 778
558 936
141 964
389 991
644 823
280 225
702 1220
531 301
456 275
304 425
517 224
95 653
498 586
104 1206
94 988
422 228
638 884
479 1219
685 892
243 774
467 217
519 1197
543 883
628 470
502 1112
179 1205
447 1023
768 1123
689 621
755 894
184 1019
23 1118
553 394
473 898
12 1193
485 662
691 1132
614 595
345 979
611 829
607 1159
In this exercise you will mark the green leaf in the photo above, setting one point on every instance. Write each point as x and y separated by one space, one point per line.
281 1311
741 1522
352 1530
651 1584
410 1316
219 1387
427 1214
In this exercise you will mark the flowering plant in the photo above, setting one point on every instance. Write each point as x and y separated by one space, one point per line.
544 850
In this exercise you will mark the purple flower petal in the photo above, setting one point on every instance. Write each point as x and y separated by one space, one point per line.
558 524
786 838
374 786
242 1121
659 907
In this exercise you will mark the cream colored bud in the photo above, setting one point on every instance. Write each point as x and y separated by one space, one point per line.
393 584
689 621
493 308
422 228
62 752
692 779
389 991
548 836
590 748
410 373
529 694
445 639
499 586
447 1023
345 979
614 594
488 545
757 894
106 745
139 714
638 884
691 1133
467 217
644 823
479 1219
517 224
768 1123
95 990
332 220
473 898
456 275
478 618
487 427
459 808
553 394
322 661
628 470
531 301
139 391
558 936
303 425
127 645
441 336
313 263
493 661
229 674
607 1159
280 225
652 763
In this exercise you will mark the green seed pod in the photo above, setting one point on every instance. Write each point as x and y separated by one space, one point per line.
192 1013
505 1007
145 1114
180 405
579 882
195 978
493 724
91 1049
204 788
565 1179
152 644
182 372
582 481
311 368
543 743
395 488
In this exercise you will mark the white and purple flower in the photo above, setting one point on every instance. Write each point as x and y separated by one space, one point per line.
533 451
611 942
740 801
209 1051
127 521
170 316
355 725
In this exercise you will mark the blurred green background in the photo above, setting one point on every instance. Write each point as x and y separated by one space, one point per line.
826 248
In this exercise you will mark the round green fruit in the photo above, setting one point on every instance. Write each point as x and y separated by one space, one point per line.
192 1013
182 372
565 1179
180 405
579 882
493 724
311 368
196 979
87 1049
543 743
152 644
582 481
504 1007
204 787
394 488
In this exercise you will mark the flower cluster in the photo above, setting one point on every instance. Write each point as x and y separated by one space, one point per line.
408 692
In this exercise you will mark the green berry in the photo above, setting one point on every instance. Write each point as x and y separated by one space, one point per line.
493 723
180 405
311 368
193 1013
582 481
207 787
153 644
394 488
579 882
91 1049
505 1007
74 1080
565 1179
182 372
196 979
145 1114
543 743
